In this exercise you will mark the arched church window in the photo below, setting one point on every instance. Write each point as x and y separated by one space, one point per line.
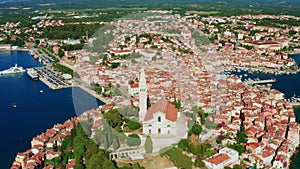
159 119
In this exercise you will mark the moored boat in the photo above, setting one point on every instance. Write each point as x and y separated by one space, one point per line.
13 70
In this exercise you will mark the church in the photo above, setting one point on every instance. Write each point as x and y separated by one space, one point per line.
161 117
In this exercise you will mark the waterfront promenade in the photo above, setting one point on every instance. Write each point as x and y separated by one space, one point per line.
294 104
260 81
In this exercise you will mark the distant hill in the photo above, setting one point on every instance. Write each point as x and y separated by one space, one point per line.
224 7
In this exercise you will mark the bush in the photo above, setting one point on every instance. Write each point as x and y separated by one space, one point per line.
133 125
196 129
133 140
199 163
194 149
183 144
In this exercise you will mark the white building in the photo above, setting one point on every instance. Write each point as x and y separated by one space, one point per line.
225 157
161 117
5 46
133 89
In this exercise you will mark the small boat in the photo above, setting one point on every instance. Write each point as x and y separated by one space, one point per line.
41 91
14 105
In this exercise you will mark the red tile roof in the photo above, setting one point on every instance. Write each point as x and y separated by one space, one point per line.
163 106
134 85
218 159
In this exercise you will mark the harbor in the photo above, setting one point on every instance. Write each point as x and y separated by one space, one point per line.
52 78
294 101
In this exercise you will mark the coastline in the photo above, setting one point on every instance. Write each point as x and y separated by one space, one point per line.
92 93
17 49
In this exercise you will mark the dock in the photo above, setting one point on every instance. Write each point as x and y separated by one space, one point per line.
52 78
261 81
294 104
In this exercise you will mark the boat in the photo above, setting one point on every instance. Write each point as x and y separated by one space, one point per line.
41 91
13 70
14 105
33 73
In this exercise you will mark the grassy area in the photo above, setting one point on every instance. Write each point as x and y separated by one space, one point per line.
153 162
203 12
62 68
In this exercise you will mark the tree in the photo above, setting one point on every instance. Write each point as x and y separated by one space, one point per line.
183 144
61 53
108 164
96 161
194 149
79 164
199 163
148 144
239 148
241 136
133 125
236 166
116 144
133 140
78 146
196 129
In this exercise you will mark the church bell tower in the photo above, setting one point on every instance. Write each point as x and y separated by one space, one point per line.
143 96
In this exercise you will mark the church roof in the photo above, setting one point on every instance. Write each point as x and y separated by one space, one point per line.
163 106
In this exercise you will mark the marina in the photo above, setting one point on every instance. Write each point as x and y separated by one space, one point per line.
294 101
52 78
40 57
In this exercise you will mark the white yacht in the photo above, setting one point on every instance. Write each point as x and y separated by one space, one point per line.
33 73
13 70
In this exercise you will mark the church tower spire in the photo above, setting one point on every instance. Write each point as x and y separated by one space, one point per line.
143 95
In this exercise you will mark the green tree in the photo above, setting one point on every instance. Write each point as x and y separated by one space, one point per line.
78 146
236 166
183 144
61 53
133 125
148 144
133 140
96 161
194 149
116 144
239 148
241 135
196 129
199 163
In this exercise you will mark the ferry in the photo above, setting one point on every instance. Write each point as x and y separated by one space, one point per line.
13 70
33 73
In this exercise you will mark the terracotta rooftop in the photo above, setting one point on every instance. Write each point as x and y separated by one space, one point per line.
163 106
218 159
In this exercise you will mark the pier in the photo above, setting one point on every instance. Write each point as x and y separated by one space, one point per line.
294 104
261 81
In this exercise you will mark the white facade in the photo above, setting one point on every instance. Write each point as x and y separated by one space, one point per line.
159 125
133 89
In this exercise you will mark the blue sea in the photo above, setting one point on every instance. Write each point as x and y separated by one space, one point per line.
36 111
